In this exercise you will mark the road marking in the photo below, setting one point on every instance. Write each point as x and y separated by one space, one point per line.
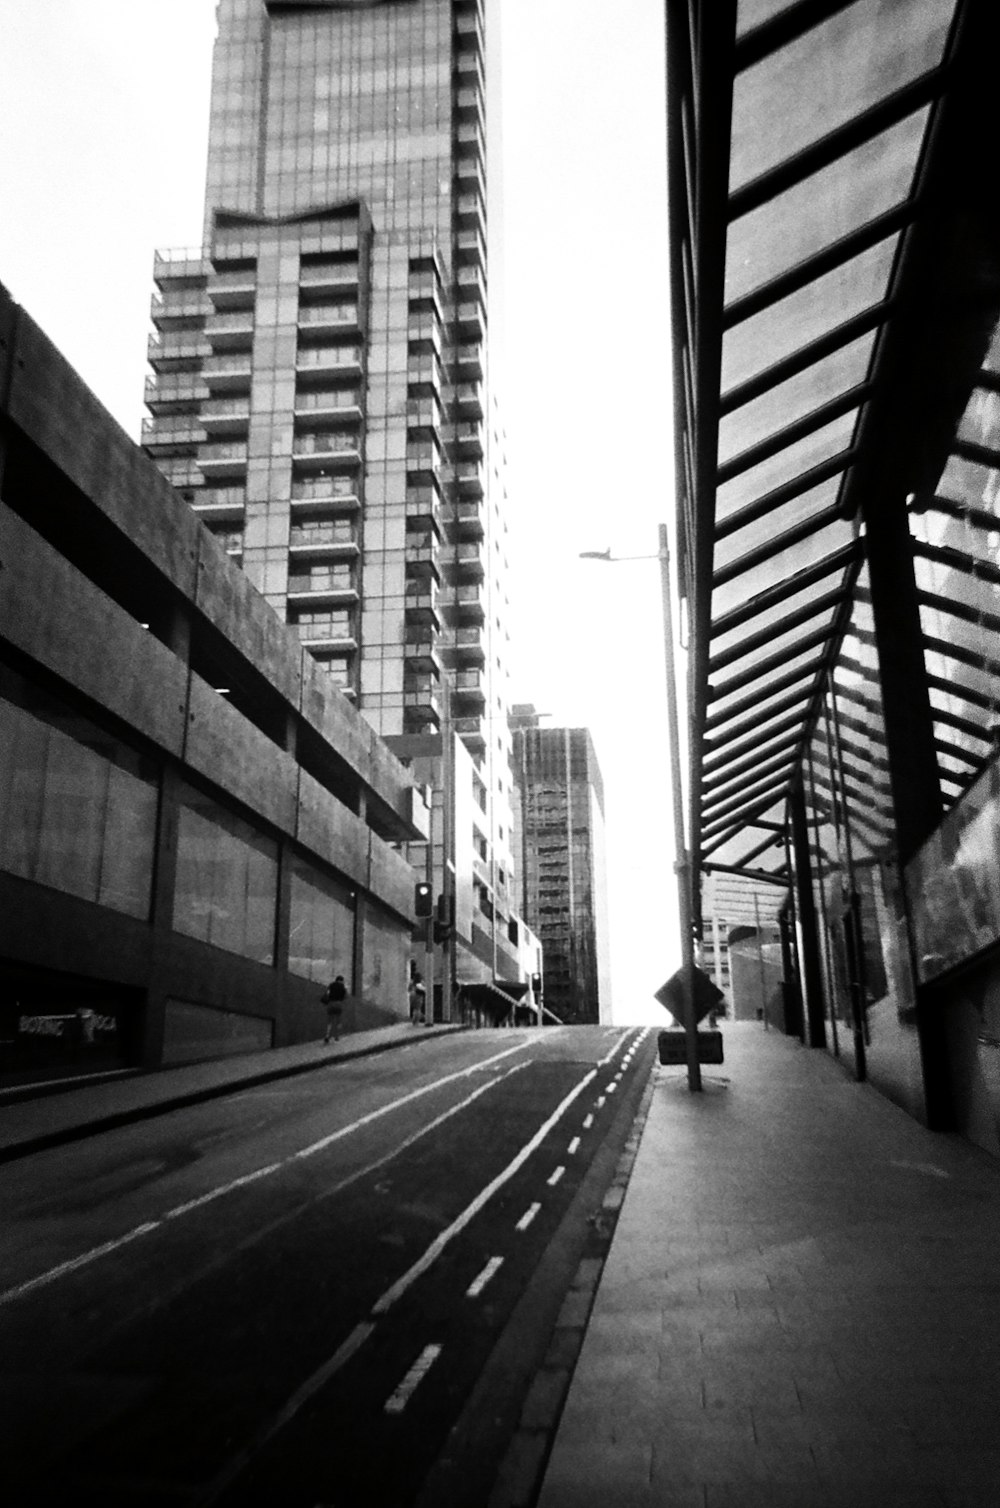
603 1062
571 1149
437 1246
611 1087
554 1178
476 1287
85 1258
588 1121
599 1102
414 1377
527 1217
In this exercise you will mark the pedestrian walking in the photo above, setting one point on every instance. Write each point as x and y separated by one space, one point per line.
418 1000
333 998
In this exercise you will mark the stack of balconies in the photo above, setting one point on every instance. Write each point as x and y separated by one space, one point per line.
421 661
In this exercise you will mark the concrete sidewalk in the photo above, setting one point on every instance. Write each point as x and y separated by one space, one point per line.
31 1124
800 1307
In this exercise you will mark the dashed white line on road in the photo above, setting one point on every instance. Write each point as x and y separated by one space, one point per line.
599 1102
554 1177
397 1402
476 1287
588 1121
527 1217
570 1150
611 1087
437 1246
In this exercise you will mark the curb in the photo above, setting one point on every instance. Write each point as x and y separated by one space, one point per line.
522 1468
117 1118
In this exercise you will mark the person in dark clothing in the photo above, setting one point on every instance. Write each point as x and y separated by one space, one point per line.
333 998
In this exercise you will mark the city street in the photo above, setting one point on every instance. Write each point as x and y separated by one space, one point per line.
287 1295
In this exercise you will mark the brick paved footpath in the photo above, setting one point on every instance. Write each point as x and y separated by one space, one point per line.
800 1308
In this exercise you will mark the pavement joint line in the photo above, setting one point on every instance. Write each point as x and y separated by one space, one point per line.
527 1217
477 1285
555 1176
398 1400
21 1290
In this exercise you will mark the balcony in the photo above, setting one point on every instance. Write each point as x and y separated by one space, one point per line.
421 695
175 390
470 730
465 605
181 472
467 514
469 442
228 372
468 648
220 504
470 212
423 505
470 248
423 371
180 435
470 689
314 451
469 561
420 654
471 283
328 319
423 330
177 347
469 321
469 69
344 360
423 464
422 413
337 405
470 478
423 555
467 401
230 329
223 457
184 308
469 105
324 494
301 595
226 416
421 603
468 364
329 277
184 264
235 289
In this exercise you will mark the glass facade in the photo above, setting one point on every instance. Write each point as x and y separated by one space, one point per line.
226 890
321 929
78 808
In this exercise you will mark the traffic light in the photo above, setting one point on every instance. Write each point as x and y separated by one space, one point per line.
444 924
423 899
536 985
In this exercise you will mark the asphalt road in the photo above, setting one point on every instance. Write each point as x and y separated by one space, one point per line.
285 1297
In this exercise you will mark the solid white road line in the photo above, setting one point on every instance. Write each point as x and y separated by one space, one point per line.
107 1247
527 1217
414 1377
476 1287
574 1144
437 1246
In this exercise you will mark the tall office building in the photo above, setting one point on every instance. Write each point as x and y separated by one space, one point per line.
319 392
559 820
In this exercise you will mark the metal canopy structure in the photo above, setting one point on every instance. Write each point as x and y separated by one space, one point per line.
818 183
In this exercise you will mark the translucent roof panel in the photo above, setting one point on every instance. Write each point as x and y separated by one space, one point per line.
781 644
776 522
795 398
971 482
757 343
768 573
752 13
785 466
852 191
827 76
770 616
981 421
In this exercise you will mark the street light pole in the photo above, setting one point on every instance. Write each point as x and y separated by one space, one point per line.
682 863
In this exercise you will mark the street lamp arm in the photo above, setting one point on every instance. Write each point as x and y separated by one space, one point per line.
614 559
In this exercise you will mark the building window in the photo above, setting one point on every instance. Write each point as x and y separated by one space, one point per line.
321 930
226 890
77 808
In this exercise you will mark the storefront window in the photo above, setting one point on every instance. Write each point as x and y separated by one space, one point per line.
227 880
387 948
77 807
321 933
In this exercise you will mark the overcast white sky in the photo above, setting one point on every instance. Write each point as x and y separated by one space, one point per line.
103 123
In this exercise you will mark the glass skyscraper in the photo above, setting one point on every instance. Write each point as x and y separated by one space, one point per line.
319 390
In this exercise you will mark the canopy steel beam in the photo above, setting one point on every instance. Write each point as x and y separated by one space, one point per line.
773 662
757 760
764 876
796 699
781 439
762 735
741 518
799 582
719 717
777 545
806 356
827 603
779 30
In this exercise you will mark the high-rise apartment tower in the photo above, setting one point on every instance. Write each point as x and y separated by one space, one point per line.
559 818
319 394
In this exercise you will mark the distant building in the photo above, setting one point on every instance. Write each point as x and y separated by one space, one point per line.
559 835
320 390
